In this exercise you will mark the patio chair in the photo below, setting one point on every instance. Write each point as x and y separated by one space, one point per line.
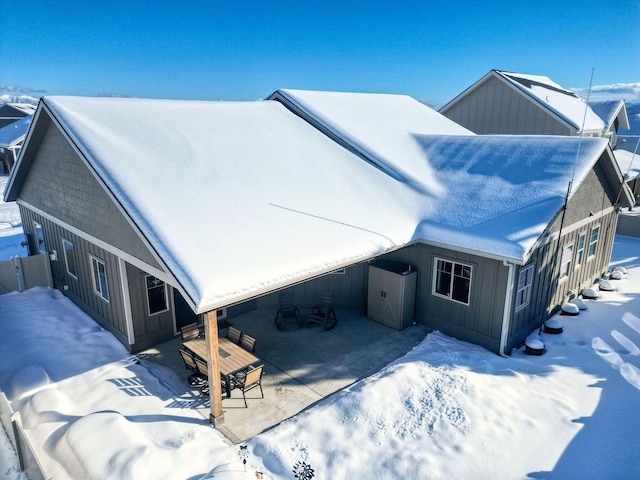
234 335
325 313
249 380
203 370
286 310
195 379
190 332
248 343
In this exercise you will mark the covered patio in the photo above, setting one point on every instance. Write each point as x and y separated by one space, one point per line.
302 366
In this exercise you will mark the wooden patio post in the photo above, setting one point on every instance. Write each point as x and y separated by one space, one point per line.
213 365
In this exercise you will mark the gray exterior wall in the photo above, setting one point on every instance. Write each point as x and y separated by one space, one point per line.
60 184
549 292
111 314
481 321
496 108
350 289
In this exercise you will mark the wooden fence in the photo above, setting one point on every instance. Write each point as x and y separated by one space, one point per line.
19 274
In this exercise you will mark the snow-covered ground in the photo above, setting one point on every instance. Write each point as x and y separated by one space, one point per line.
447 409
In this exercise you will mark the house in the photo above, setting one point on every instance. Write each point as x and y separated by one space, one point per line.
513 223
12 112
627 153
11 138
154 212
520 104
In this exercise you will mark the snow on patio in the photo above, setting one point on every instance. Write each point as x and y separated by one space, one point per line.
447 409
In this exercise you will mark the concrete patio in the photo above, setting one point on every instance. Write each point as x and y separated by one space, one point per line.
302 366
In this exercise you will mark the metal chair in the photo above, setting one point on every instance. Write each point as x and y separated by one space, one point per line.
286 310
234 335
324 312
195 379
248 343
249 380
190 332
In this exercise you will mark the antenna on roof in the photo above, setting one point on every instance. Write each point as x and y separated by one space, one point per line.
584 119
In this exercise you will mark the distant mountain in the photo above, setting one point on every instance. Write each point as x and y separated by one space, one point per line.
8 98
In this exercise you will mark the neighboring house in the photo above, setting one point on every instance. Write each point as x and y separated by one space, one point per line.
12 112
11 138
262 200
614 115
627 153
521 104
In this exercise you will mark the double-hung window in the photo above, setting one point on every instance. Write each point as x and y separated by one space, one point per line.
565 262
69 258
452 280
593 241
580 252
100 278
525 280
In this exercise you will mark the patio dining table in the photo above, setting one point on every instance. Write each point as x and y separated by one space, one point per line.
233 358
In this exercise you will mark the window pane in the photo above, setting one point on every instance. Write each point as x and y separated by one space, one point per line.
156 295
460 289
443 283
69 258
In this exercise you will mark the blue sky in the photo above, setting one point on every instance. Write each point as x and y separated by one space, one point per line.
244 50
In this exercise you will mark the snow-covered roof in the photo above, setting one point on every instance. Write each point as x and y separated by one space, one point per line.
237 198
502 191
12 133
609 110
564 103
23 108
241 198
627 155
381 127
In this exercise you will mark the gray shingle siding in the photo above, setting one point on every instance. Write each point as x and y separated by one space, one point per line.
60 184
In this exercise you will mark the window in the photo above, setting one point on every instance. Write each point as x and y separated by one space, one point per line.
593 241
452 280
40 247
69 258
100 279
565 262
524 286
156 295
580 252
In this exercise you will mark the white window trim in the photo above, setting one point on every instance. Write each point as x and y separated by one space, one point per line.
580 251
592 255
66 261
166 296
93 278
435 276
40 245
565 273
527 287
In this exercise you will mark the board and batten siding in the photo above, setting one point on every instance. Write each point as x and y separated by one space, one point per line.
109 314
60 184
497 108
480 322
592 205
349 285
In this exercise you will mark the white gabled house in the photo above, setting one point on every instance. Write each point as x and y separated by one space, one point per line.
159 211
